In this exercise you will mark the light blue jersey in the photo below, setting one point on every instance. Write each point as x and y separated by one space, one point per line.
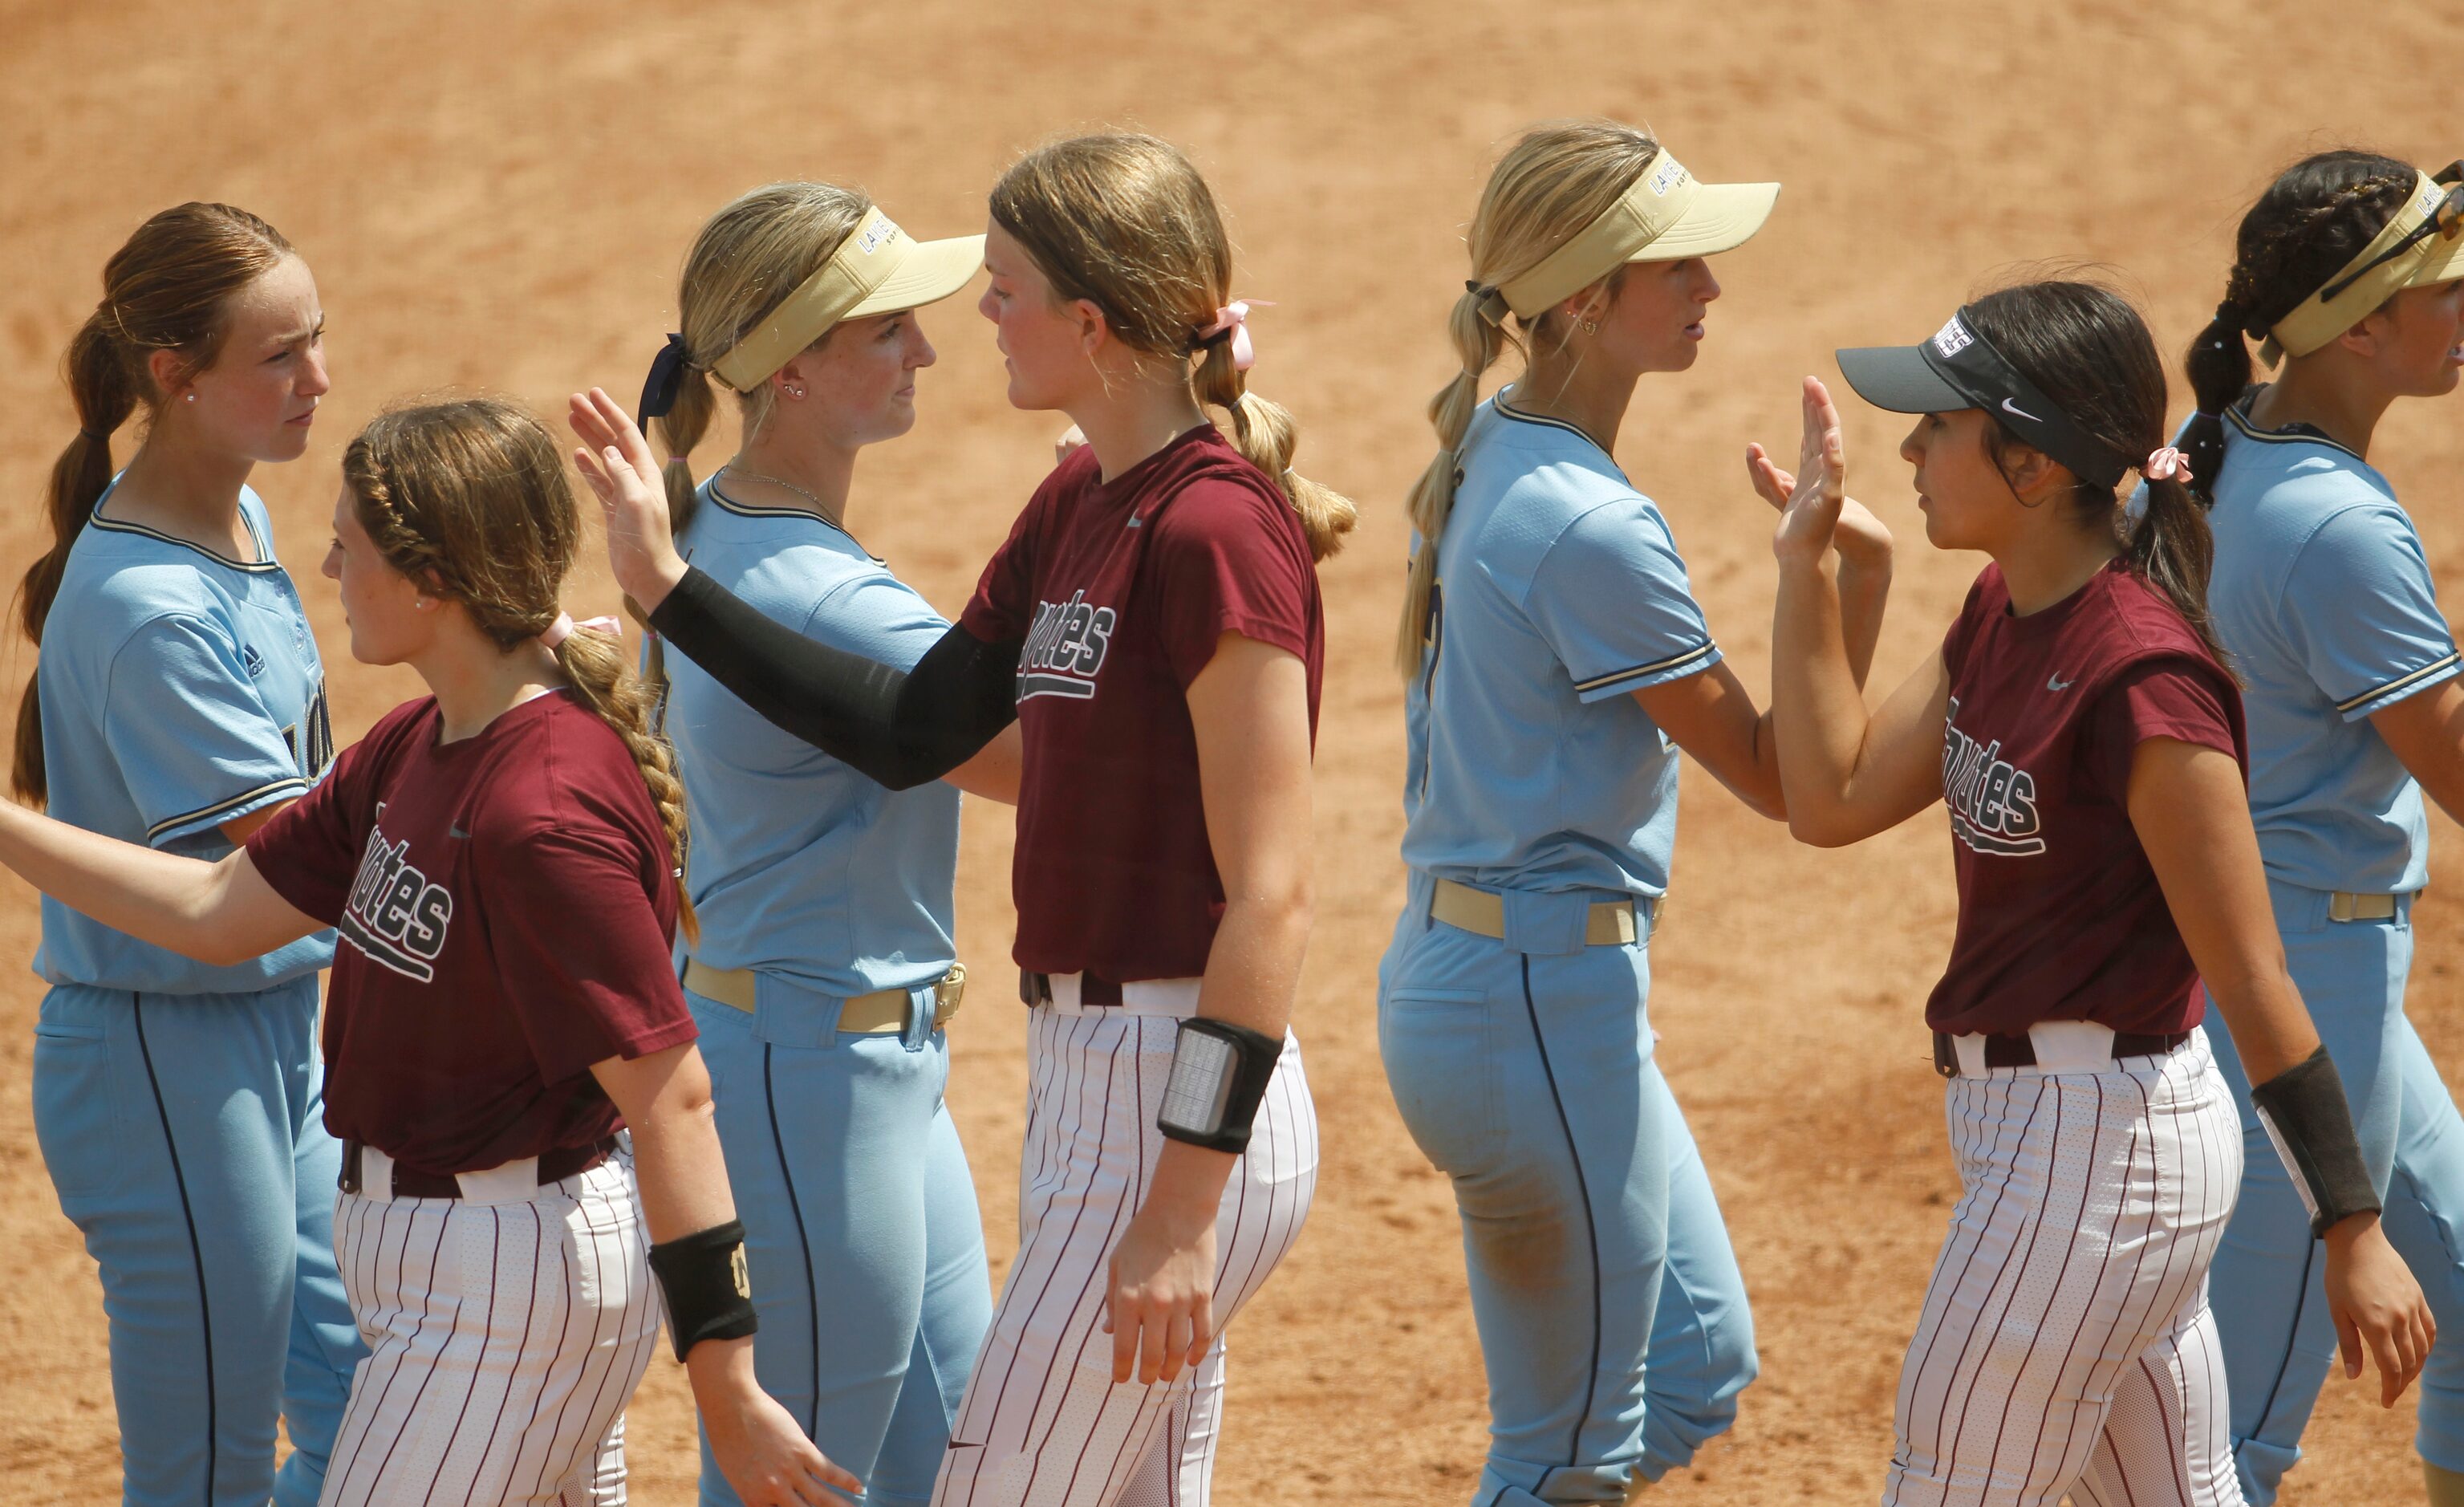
2321 593
180 1107
181 689
1559 591
862 1235
799 865
1525 1065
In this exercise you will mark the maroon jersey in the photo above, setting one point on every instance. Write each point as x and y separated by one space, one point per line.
1121 590
2060 914
504 905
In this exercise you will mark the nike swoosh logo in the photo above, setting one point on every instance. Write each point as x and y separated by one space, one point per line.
2022 413
2058 683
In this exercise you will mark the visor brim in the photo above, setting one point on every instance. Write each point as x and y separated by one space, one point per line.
1723 217
932 271
1899 379
2444 264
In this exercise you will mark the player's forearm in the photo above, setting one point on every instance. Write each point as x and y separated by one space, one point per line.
1817 710
677 1161
174 903
1864 587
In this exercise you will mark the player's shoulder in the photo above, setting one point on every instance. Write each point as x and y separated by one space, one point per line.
2129 620
556 764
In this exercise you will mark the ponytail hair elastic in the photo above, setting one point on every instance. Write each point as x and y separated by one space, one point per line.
667 376
2166 463
558 632
1232 324
1492 303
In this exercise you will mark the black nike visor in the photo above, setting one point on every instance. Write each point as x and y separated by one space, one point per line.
1958 370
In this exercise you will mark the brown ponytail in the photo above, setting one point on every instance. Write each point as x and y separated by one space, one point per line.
2090 354
2314 218
471 498
1126 223
167 288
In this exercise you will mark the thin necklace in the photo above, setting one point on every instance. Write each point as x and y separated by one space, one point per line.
820 508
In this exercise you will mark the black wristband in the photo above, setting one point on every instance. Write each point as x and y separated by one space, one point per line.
710 1294
1219 1075
2306 1116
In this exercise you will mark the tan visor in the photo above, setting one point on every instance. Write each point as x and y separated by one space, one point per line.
1667 215
877 270
2314 324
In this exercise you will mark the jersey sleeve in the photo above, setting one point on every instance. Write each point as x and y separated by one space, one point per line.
1225 560
2176 698
1612 599
878 616
310 851
2359 608
583 992
1003 606
195 744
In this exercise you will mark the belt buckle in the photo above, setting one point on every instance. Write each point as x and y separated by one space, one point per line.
949 992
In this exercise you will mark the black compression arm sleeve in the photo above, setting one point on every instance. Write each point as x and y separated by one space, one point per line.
903 728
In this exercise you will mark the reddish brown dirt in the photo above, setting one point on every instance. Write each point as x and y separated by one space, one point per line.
498 196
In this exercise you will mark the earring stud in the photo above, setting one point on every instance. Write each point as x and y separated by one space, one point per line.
794 391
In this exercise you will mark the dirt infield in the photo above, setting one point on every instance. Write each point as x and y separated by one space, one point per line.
498 196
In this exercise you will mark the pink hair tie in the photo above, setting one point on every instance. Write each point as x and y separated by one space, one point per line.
1232 322
558 632
2167 464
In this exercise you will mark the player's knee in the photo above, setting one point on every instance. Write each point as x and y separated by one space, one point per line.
1524 1250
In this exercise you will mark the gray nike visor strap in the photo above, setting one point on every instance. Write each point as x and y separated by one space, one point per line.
1957 369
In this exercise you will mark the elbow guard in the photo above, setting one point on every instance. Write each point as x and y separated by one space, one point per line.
1219 1075
708 1291
2306 1117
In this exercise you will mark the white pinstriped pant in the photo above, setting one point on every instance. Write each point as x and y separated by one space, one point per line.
506 1334
2066 1344
1043 1424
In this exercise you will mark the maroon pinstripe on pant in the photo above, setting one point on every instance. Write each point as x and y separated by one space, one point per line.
505 1338
2066 1345
1043 1424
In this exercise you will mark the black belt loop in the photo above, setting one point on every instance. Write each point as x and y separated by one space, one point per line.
1036 988
350 1167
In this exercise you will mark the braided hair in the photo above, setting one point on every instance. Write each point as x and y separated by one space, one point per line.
470 499
2315 217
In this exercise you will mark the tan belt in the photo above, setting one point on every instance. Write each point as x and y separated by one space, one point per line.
2345 906
1610 924
866 1014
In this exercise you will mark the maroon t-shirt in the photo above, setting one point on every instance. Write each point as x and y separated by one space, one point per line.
505 907
2060 914
1121 590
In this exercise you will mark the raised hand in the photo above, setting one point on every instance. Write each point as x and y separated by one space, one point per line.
1812 501
1862 537
617 463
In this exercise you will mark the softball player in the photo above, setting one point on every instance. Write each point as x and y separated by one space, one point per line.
2079 724
1556 662
479 1046
179 702
824 968
2348 269
1154 625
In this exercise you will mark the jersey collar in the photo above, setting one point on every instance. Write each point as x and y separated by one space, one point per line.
264 562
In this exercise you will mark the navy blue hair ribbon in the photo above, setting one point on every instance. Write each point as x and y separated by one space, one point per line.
667 376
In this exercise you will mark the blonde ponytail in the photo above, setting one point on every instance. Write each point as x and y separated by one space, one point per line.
682 428
1265 436
1547 190
1478 342
602 678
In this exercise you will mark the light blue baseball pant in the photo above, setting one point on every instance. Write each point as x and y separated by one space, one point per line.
185 1137
866 1250
2267 1285
1613 1320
